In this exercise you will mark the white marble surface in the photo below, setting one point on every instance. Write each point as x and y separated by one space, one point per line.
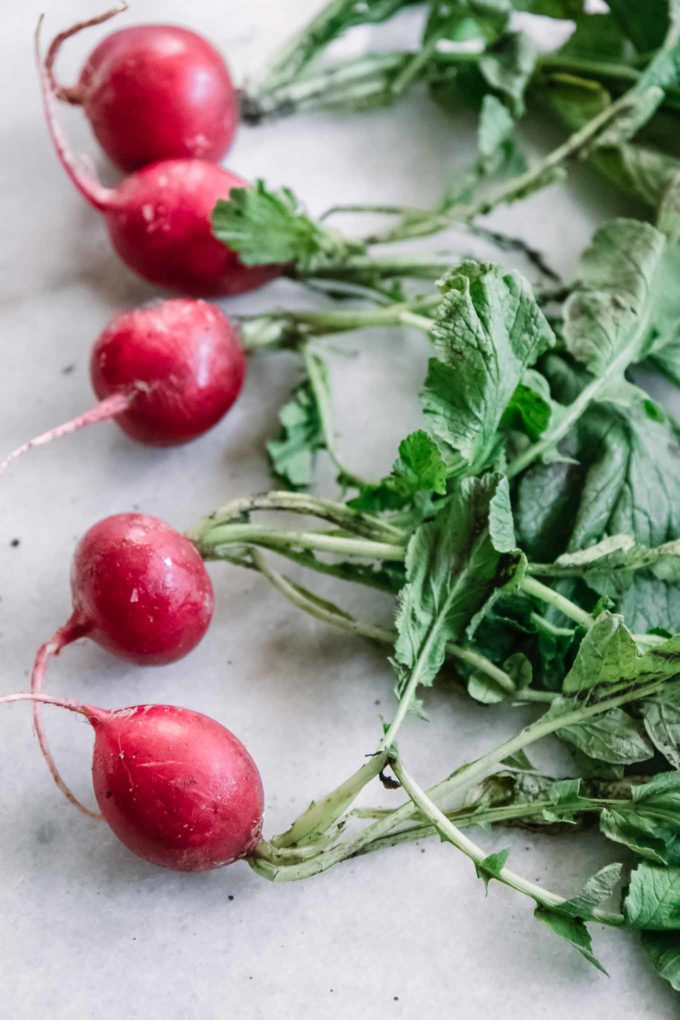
87 930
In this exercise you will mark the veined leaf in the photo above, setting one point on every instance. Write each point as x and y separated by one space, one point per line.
597 889
622 477
609 563
611 736
661 715
663 345
454 567
270 227
638 833
607 654
653 900
606 319
650 824
420 468
498 156
662 792
488 330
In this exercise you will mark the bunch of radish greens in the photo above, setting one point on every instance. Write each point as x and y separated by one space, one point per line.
529 531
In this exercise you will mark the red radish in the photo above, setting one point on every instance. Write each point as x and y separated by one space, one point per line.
159 219
176 787
166 373
153 92
140 590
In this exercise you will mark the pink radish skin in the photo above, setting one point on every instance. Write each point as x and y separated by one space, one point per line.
176 787
141 591
159 219
165 374
182 363
153 92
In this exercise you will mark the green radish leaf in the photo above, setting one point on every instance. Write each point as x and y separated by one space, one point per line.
650 824
636 456
597 889
572 930
561 793
488 691
563 790
292 454
485 689
492 866
668 215
636 832
269 227
663 949
507 67
530 408
662 793
653 900
663 345
454 568
611 736
606 319
607 654
661 715
420 468
488 329
621 478
499 157
638 170
611 561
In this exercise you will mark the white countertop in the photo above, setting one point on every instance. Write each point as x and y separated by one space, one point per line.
86 929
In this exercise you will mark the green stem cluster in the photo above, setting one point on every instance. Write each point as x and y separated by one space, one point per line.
457 782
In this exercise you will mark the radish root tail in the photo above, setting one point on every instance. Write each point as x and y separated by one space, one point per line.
106 409
71 631
73 93
92 191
